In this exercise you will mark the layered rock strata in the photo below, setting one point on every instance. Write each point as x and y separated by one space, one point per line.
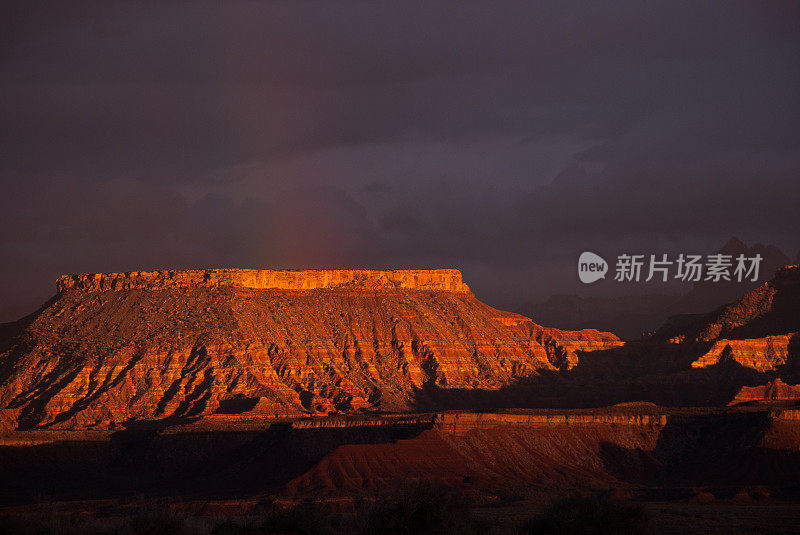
757 331
261 279
762 354
116 349
775 390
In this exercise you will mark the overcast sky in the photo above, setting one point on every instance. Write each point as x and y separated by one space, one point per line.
499 138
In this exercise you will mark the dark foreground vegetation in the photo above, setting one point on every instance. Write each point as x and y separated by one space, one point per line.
412 509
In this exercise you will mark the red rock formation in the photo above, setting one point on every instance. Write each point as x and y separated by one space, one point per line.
762 354
461 423
551 452
307 279
564 347
772 308
561 348
490 452
772 391
115 348
758 331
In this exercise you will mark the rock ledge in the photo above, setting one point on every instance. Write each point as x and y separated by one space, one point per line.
308 279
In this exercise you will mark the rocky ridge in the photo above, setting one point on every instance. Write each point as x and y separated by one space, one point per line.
763 354
775 390
305 279
771 308
112 350
757 331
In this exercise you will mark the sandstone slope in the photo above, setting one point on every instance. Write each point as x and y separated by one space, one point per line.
699 360
758 330
775 390
543 453
115 349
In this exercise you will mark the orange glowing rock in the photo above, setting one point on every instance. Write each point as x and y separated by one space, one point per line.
116 348
261 279
775 390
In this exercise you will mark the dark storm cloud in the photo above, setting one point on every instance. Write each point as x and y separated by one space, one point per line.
500 138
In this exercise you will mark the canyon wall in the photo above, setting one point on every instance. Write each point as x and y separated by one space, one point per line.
307 279
762 354
461 423
113 350
542 454
758 332
775 390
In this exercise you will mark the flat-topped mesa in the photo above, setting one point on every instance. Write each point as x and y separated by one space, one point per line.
307 279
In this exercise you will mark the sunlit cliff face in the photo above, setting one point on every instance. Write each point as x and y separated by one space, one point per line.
225 343
304 279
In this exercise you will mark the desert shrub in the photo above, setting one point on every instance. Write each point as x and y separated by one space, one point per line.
589 516
422 508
